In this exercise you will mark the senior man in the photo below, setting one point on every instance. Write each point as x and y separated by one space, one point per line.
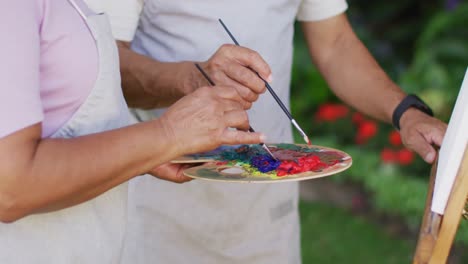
206 222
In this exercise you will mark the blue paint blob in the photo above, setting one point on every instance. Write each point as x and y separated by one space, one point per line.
264 163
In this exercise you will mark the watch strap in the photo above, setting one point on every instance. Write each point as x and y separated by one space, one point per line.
409 101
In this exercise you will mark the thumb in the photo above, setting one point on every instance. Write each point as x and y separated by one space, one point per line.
424 149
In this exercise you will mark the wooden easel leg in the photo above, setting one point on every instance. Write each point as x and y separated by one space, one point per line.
429 227
452 215
465 211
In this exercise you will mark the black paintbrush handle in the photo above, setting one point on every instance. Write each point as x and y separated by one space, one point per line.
270 89
204 74
229 32
275 96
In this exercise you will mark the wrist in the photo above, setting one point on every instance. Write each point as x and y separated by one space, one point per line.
408 116
410 104
167 137
169 81
189 78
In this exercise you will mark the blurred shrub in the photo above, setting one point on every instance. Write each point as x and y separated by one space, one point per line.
440 61
424 48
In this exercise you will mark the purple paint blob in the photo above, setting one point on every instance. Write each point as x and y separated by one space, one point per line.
264 163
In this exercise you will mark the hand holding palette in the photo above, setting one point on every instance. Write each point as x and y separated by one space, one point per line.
250 163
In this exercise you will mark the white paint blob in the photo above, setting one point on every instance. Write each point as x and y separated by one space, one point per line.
233 170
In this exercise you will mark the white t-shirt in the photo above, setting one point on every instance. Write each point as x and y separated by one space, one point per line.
124 14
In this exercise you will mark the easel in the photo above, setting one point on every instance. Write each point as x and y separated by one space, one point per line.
438 231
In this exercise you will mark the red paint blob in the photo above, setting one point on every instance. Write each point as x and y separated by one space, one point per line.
303 164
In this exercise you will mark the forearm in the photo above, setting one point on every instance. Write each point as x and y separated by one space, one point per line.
351 72
59 173
148 83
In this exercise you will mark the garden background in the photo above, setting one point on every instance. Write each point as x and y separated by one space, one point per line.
371 212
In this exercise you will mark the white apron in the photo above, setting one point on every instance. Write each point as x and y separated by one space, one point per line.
208 222
92 232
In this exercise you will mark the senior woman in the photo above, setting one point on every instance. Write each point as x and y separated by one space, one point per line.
62 178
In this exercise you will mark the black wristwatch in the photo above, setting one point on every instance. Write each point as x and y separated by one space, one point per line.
410 100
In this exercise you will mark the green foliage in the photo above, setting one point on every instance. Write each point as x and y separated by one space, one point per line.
394 190
329 235
440 61
426 54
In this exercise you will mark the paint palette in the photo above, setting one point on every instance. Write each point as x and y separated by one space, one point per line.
214 155
234 163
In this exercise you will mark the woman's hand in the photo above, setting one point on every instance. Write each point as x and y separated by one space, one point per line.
200 121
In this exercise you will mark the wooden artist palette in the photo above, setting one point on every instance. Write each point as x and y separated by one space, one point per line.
216 170
205 156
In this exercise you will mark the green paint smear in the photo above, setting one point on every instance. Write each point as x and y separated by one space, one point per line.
297 148
256 173
243 153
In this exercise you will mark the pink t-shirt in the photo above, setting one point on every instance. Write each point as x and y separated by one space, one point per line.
48 64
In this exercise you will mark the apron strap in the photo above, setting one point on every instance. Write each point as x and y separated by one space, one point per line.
73 3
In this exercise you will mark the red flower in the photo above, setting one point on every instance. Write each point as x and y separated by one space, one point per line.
331 112
388 155
366 130
405 156
357 118
394 138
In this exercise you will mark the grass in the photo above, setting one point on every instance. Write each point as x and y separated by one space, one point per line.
333 235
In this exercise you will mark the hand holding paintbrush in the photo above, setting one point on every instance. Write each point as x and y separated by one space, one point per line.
272 92
250 128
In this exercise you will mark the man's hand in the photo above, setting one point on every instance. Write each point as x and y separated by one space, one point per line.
172 172
230 66
420 132
354 76
148 83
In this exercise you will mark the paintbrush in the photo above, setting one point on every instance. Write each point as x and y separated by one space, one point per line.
272 92
264 146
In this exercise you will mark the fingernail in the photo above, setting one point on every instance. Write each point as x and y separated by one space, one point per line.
270 78
430 157
262 137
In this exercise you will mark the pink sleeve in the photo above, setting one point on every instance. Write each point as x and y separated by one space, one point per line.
20 101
